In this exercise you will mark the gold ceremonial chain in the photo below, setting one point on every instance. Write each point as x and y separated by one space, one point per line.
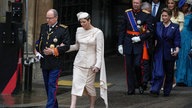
49 35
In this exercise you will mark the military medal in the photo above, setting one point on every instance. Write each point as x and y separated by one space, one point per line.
52 46
139 22
138 26
55 40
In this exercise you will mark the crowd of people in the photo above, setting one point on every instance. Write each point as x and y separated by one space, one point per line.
154 38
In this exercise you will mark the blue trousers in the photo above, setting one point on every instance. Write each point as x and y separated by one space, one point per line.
167 73
50 80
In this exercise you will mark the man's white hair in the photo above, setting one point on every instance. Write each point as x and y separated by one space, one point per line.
146 5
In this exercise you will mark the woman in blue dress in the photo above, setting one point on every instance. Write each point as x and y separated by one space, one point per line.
166 51
184 63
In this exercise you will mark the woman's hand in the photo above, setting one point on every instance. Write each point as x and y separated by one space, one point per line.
175 52
95 69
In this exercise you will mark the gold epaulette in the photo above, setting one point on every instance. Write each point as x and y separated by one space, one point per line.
62 25
145 11
128 10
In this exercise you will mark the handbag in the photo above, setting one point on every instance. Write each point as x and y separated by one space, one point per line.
190 51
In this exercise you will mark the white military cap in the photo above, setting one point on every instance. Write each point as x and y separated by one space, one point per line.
82 15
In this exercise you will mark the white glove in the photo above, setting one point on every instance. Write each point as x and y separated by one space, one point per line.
120 49
135 39
38 55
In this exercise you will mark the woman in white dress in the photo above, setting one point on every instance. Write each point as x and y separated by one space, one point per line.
88 61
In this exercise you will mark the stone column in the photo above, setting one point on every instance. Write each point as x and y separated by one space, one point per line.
37 13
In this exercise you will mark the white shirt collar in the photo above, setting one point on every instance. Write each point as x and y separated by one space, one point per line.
157 5
53 25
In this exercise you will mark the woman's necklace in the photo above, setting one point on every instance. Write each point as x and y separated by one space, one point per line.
167 24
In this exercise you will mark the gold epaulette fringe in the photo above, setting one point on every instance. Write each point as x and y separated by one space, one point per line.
128 10
62 25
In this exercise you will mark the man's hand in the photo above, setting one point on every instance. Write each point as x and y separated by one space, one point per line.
38 55
62 44
120 49
48 51
135 39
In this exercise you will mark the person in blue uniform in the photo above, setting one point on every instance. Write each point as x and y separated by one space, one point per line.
50 53
130 43
166 52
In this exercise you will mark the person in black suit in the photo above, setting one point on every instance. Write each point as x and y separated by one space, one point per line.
148 50
158 5
130 43
51 54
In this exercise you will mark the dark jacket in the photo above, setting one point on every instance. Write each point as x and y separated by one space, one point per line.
166 41
125 38
158 15
59 34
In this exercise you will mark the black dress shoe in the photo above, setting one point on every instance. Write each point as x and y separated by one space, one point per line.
166 94
131 93
154 94
181 84
141 91
144 87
